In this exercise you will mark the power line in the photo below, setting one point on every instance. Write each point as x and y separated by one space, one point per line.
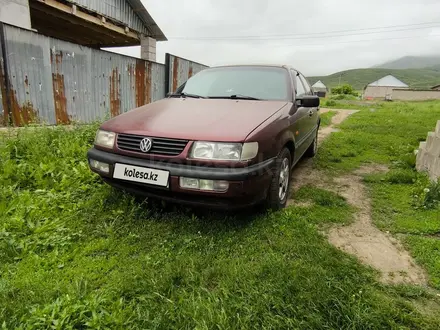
324 34
328 36
356 41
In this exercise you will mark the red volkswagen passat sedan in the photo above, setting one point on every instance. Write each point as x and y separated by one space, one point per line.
229 137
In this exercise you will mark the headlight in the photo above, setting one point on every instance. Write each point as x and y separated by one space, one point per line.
224 151
105 139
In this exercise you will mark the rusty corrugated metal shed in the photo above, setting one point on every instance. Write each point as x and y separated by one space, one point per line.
180 70
30 77
3 105
131 13
123 83
57 82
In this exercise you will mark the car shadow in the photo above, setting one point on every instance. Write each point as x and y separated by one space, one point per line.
207 219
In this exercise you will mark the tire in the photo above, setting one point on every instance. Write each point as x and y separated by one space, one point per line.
277 195
313 149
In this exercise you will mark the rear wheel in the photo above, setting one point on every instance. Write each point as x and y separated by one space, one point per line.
279 187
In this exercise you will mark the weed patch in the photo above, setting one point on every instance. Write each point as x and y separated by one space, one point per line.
427 194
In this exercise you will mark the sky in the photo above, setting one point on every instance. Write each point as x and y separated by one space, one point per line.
318 37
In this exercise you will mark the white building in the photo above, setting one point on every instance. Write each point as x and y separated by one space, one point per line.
319 88
383 88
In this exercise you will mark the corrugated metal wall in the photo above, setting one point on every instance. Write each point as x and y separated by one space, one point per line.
180 70
116 9
57 82
3 105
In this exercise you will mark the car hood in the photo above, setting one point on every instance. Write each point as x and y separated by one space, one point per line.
196 119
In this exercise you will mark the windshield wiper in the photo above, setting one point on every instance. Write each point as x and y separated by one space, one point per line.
244 97
236 97
194 96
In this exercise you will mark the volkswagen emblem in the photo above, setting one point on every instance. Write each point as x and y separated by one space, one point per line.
146 145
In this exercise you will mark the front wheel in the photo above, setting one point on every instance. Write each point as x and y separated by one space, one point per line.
279 187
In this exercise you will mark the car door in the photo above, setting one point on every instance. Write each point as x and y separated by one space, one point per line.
312 112
299 118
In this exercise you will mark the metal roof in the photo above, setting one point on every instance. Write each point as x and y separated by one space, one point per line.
319 84
131 13
388 81
153 28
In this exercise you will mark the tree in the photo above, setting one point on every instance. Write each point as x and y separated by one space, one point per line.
345 89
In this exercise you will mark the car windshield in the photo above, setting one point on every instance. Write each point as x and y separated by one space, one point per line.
263 83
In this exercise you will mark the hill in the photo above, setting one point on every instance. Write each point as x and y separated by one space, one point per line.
411 62
359 78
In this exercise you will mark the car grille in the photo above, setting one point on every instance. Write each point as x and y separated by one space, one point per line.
161 146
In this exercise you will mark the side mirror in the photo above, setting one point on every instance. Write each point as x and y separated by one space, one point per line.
308 101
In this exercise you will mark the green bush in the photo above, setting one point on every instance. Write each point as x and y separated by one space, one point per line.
329 103
336 90
344 89
338 97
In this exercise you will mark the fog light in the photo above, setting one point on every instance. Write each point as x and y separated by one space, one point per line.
221 185
204 185
99 166
189 183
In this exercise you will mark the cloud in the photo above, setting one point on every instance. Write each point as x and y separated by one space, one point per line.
302 32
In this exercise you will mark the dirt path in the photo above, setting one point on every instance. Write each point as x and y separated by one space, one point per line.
368 243
304 173
336 120
362 239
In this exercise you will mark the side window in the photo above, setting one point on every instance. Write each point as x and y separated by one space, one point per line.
300 91
306 85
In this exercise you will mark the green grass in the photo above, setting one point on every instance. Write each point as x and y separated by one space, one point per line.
359 78
427 252
351 104
326 118
75 253
394 210
388 134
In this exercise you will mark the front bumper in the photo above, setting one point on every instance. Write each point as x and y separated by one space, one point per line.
247 185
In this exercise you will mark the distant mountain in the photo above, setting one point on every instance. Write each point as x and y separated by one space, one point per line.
435 67
412 62
359 78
